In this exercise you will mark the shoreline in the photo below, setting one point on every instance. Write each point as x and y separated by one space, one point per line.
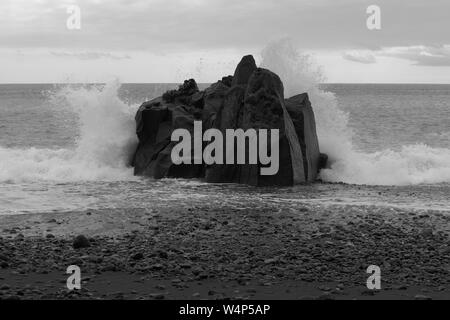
305 251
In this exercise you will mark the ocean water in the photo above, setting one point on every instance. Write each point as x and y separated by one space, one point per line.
67 147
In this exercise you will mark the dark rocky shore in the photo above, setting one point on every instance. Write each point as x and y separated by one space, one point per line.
306 251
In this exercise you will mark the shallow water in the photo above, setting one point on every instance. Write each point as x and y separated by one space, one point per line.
148 194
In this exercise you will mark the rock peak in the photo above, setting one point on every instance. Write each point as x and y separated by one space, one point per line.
244 70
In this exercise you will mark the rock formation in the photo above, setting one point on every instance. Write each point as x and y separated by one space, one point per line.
253 98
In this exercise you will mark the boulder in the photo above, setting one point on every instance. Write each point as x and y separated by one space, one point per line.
253 98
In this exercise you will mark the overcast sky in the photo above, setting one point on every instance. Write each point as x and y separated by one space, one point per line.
169 40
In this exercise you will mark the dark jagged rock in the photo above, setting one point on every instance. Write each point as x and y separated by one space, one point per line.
155 123
251 99
323 160
300 110
244 71
228 81
265 109
198 100
185 91
153 128
228 117
260 105
214 96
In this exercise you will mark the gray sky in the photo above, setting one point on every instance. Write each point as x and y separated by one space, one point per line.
168 40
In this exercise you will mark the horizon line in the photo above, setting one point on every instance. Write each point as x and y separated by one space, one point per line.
102 83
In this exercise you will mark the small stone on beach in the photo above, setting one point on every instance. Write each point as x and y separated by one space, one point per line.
137 256
81 242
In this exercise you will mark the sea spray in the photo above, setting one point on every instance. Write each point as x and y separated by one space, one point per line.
299 74
103 147
106 124
411 164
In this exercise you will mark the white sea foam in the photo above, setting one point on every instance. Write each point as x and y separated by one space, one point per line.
411 164
104 145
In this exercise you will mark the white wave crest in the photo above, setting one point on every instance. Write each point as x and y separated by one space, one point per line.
104 145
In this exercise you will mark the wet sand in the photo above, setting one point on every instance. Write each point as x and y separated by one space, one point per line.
304 250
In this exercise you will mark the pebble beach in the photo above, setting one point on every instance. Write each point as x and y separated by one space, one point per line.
279 250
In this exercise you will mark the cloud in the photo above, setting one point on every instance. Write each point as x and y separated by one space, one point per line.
90 55
365 57
421 55
186 25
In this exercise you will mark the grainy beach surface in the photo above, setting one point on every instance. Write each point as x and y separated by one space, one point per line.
279 250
